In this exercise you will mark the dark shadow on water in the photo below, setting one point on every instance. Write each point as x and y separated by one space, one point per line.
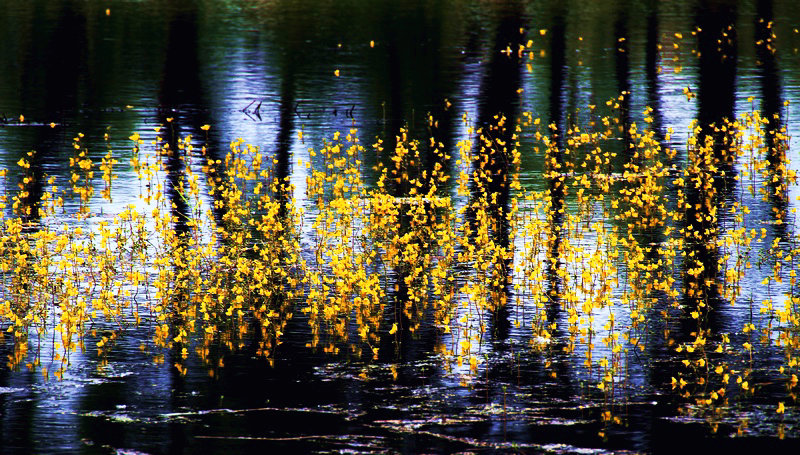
555 164
180 95
497 119
717 44
652 62
775 135
702 308
55 77
622 66
181 113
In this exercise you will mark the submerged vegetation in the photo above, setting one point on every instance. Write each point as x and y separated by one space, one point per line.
628 246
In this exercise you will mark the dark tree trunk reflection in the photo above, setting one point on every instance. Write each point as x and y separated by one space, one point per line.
497 119
554 164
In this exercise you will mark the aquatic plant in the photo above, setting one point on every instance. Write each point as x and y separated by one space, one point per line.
627 245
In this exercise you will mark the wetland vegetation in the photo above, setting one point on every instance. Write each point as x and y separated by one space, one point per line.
460 227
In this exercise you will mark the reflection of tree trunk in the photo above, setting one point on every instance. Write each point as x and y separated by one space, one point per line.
654 103
716 94
555 161
285 137
181 92
405 90
500 100
554 167
717 46
405 311
651 72
771 108
770 82
623 69
396 121
700 225
61 66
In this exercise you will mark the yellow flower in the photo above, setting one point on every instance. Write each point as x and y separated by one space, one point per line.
205 127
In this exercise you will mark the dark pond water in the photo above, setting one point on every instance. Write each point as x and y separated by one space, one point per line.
286 75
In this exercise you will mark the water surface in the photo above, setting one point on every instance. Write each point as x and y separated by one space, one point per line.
285 76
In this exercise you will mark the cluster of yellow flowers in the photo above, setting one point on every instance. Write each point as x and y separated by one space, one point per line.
624 245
